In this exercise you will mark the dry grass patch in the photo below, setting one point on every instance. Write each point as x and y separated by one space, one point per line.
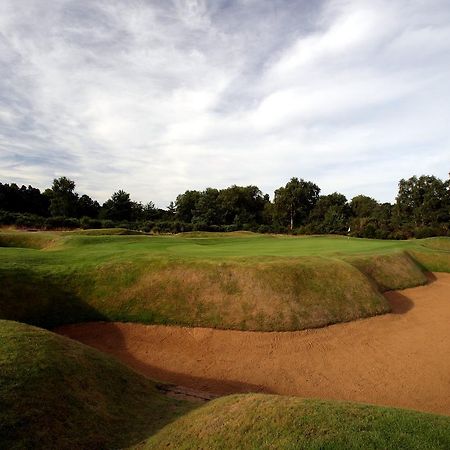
285 295
391 271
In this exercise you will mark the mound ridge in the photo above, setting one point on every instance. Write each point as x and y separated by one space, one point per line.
58 394
258 421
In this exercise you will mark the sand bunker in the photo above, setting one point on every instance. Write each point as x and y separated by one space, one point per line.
400 359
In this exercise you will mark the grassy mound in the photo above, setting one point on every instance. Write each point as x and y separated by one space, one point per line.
108 232
437 243
397 270
58 394
274 295
241 281
33 240
268 422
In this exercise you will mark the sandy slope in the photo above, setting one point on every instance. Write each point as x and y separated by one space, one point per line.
400 359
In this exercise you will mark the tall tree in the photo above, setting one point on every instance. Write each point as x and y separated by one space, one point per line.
295 201
424 201
241 205
118 207
87 207
63 199
363 206
186 205
330 214
207 210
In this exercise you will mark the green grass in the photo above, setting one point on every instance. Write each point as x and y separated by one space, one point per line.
58 394
261 422
236 280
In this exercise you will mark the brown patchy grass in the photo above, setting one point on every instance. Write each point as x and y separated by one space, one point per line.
285 295
391 271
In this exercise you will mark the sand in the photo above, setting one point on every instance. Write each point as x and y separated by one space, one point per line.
400 359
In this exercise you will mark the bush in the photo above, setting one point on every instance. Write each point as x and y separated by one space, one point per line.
7 218
29 221
108 224
264 229
425 232
89 224
59 222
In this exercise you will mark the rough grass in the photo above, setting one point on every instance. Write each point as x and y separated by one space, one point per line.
33 240
108 232
397 270
437 243
239 281
58 394
260 422
275 295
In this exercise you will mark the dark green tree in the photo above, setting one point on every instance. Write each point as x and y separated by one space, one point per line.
241 205
186 205
294 202
363 206
423 201
87 207
119 207
330 214
63 199
207 210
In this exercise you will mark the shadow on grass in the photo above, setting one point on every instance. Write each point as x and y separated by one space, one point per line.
108 338
42 300
37 299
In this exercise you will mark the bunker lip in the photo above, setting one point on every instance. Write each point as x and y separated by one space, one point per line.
398 359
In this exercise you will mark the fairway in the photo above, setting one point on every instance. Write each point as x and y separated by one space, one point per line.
77 247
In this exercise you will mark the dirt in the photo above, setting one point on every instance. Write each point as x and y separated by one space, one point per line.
400 359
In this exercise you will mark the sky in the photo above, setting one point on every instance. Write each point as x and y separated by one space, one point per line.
158 97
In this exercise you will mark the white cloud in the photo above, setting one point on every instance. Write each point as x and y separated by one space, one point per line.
159 97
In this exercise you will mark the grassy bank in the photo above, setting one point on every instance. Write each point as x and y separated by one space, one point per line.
266 422
58 394
237 281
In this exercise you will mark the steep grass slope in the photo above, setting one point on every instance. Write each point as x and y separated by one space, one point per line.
395 270
273 295
270 422
240 281
58 394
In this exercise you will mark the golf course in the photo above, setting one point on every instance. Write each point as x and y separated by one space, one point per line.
352 334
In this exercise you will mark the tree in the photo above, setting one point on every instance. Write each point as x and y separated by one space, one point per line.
63 199
363 206
87 207
423 201
294 202
119 207
241 205
207 210
186 204
23 200
330 214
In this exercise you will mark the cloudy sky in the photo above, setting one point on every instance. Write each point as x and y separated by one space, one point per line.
159 96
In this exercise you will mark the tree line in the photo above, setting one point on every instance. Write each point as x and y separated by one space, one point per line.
421 209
